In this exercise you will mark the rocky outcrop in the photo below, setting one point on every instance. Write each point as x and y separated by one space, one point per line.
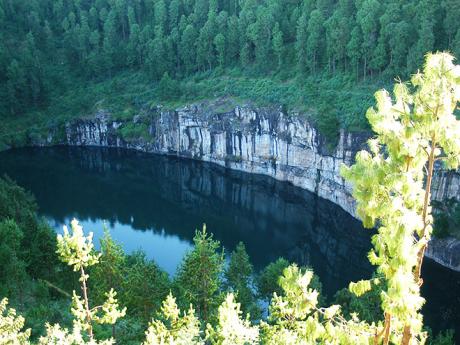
269 141
265 141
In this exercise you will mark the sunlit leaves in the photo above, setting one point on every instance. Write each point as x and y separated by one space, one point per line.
414 128
296 319
175 328
360 287
111 311
11 326
232 329
76 249
62 336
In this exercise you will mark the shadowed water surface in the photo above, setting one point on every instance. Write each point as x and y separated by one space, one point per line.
155 203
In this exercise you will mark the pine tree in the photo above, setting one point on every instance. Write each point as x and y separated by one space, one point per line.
452 12
144 287
233 40
301 43
260 36
187 48
109 273
354 48
15 86
278 45
315 39
296 318
425 11
161 16
174 11
367 19
109 41
199 277
456 44
205 45
267 281
12 267
167 88
219 43
239 275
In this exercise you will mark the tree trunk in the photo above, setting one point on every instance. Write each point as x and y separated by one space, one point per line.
407 335
426 202
85 296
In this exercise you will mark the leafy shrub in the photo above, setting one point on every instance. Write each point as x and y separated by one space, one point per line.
135 131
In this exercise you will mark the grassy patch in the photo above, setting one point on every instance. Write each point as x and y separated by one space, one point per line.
330 101
133 131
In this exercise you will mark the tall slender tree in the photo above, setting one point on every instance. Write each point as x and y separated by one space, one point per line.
392 185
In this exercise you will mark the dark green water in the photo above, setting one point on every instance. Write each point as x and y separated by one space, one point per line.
155 203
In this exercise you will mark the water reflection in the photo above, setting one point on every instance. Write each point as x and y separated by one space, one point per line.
167 250
137 192
156 203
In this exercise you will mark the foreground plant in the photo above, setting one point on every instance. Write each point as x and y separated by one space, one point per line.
295 317
174 328
77 250
392 186
231 328
11 326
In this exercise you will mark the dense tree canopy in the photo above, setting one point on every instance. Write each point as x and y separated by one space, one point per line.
42 40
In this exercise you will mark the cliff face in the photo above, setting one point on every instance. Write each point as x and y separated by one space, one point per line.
266 141
256 140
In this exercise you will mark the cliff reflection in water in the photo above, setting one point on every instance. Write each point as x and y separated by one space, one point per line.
174 197
156 203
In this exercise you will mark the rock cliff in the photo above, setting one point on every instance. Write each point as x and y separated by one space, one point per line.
268 141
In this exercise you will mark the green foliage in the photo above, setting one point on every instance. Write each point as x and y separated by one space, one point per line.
446 219
11 326
168 88
16 203
392 182
61 62
12 268
134 131
238 276
174 328
199 278
76 250
443 338
267 281
366 304
109 273
231 329
295 317
144 286
28 245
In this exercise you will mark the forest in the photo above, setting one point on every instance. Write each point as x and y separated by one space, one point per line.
68 58
211 302
61 57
